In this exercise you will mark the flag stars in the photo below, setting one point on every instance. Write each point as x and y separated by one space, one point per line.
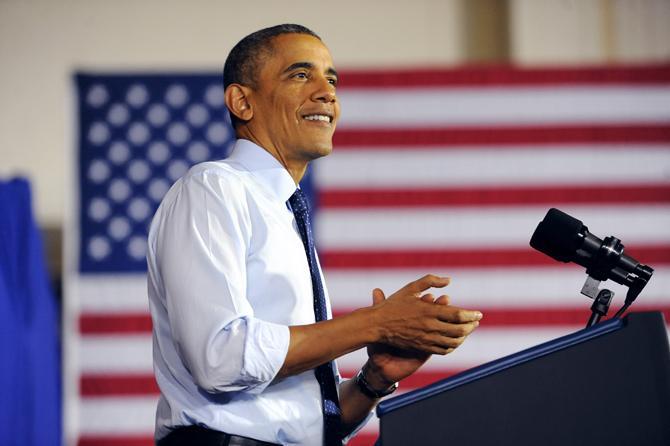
139 137
214 96
98 248
178 133
158 152
118 114
138 133
98 133
97 96
137 95
158 115
118 153
176 96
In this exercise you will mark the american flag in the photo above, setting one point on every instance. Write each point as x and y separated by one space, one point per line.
435 170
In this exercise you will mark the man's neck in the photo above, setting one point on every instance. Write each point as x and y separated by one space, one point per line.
295 168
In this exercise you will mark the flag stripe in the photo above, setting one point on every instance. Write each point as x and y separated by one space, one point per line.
502 166
502 107
503 76
362 439
476 229
118 324
486 196
476 258
106 323
116 440
476 137
107 385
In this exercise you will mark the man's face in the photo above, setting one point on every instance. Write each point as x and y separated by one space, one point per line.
294 104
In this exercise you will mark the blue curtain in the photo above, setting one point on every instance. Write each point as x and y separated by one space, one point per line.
30 407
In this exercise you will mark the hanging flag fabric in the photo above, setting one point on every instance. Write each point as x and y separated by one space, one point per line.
442 171
30 401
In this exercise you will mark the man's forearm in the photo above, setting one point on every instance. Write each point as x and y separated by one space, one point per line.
355 406
315 344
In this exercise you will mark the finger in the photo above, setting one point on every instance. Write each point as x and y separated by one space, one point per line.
449 330
440 346
428 298
377 296
427 281
459 315
442 300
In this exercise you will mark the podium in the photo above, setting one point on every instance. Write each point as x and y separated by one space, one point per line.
605 385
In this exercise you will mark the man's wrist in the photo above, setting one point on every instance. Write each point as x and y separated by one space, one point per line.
371 387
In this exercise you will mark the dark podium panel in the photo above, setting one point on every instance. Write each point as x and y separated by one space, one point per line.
606 385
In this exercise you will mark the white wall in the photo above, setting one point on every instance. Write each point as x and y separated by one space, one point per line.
589 31
43 42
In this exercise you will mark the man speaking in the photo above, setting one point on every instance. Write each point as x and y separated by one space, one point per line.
244 343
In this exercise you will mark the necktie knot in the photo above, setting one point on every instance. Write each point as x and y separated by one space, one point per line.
298 202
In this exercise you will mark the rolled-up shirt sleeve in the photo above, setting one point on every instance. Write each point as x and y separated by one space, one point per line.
201 246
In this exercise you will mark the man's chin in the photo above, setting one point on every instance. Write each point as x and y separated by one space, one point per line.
317 151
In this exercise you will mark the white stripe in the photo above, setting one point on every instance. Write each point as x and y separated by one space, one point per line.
482 346
488 227
120 416
112 293
131 354
502 165
116 354
505 288
420 107
117 416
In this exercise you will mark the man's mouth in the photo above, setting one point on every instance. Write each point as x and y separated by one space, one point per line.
317 117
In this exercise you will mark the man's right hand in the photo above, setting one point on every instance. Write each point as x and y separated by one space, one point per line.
409 320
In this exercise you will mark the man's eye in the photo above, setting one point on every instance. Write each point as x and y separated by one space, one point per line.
300 75
333 82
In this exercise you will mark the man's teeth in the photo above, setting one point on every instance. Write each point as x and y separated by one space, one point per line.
318 118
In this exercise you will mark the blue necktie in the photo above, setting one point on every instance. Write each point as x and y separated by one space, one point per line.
324 372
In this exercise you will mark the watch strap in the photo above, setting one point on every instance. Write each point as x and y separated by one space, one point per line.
367 389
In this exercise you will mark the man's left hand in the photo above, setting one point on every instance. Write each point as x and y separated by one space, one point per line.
386 364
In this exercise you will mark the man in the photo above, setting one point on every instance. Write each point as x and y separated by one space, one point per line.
243 352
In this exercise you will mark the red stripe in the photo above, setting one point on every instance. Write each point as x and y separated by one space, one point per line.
394 138
117 385
496 318
363 439
505 76
144 385
116 440
123 323
99 385
484 196
464 258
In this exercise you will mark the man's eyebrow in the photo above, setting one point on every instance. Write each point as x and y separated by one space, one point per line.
309 66
331 71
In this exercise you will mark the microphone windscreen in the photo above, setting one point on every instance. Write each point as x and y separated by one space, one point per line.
559 235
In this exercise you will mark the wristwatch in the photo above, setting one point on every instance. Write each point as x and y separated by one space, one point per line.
367 389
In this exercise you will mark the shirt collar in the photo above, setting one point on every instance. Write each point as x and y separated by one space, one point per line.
264 167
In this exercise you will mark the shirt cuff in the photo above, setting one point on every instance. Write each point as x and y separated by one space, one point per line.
265 352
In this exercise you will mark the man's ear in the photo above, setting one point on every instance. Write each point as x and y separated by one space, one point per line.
237 101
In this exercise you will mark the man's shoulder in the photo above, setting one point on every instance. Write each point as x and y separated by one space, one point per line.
220 173
220 178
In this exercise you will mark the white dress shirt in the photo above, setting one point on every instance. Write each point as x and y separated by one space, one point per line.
227 275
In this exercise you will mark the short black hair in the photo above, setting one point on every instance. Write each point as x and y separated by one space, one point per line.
243 62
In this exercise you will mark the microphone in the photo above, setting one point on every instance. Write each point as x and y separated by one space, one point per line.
567 239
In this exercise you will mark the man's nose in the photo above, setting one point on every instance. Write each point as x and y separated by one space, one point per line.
325 91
